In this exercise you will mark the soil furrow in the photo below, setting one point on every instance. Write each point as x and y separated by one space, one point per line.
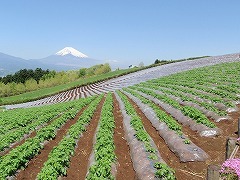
216 151
79 162
84 91
169 157
36 164
30 135
125 167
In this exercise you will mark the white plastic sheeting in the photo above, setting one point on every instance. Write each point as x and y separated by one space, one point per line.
130 79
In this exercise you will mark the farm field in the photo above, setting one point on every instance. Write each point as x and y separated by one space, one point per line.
99 85
169 127
45 92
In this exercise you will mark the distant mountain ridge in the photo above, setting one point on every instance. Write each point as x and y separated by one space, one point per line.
66 59
10 64
67 62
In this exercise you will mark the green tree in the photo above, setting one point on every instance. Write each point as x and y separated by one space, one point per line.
82 72
38 73
157 61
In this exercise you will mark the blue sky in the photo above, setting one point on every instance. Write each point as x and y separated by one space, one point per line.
126 30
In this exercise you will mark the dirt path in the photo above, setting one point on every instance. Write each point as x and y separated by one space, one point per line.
36 164
125 167
79 162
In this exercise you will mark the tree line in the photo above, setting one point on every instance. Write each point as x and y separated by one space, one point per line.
23 75
30 80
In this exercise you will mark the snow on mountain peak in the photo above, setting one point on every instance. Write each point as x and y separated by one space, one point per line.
72 51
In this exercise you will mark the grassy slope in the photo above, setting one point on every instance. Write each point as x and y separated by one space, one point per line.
34 95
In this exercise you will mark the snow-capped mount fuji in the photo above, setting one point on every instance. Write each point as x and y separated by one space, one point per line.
72 51
68 58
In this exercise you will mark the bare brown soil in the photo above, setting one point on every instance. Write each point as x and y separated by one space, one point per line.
36 164
124 167
214 147
79 162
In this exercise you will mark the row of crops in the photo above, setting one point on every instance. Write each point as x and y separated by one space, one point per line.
15 124
198 99
22 154
117 83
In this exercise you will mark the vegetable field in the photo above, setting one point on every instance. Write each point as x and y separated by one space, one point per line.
101 84
171 127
